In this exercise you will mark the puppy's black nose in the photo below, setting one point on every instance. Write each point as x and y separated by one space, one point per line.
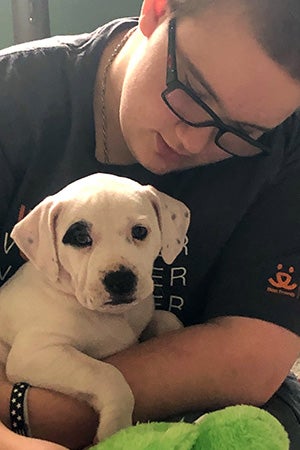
121 284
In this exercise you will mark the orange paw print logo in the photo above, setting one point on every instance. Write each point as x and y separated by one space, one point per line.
283 279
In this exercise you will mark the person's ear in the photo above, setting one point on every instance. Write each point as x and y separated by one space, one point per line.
152 13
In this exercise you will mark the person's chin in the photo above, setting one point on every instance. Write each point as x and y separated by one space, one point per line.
160 167
155 163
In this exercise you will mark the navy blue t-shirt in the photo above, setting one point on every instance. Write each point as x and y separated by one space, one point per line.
242 255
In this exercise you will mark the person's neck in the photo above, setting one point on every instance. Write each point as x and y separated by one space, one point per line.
118 152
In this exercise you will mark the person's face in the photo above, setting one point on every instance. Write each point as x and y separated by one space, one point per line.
247 89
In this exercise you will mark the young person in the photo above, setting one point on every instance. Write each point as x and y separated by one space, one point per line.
198 98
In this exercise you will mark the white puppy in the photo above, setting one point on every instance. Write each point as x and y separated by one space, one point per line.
86 291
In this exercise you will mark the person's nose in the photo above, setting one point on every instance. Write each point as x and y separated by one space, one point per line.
193 139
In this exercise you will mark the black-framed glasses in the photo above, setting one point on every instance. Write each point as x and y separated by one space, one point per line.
193 111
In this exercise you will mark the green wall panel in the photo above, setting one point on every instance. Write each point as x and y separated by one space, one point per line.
77 16
71 16
6 28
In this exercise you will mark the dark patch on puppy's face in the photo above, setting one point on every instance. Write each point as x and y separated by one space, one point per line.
78 235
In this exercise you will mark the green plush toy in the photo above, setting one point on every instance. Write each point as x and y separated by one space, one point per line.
233 428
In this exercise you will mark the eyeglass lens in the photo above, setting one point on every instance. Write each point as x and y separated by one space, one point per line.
188 110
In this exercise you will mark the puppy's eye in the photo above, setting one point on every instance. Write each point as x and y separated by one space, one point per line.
139 232
78 235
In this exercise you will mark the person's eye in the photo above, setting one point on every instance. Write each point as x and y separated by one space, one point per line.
252 133
255 134
198 91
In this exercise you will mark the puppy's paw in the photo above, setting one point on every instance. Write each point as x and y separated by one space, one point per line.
108 427
161 322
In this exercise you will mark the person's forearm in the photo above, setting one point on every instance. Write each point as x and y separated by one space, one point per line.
54 417
168 377
204 367
5 391
60 418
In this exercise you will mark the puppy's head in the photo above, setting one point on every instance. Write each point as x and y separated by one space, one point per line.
98 239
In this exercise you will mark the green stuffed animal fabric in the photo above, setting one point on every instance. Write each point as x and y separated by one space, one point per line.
240 427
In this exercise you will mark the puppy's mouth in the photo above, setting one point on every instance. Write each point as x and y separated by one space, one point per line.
114 306
120 300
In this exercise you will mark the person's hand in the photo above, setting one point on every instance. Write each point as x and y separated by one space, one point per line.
12 441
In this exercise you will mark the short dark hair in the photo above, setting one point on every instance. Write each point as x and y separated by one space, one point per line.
276 25
188 7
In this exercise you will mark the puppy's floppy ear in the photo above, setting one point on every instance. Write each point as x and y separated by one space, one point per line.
173 218
35 235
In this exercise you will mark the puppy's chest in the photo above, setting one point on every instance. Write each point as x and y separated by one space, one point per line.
104 336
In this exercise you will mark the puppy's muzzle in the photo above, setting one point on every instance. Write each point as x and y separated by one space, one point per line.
121 285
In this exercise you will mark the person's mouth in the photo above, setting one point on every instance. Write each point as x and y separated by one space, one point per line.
166 151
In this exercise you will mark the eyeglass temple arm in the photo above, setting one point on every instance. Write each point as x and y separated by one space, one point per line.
171 60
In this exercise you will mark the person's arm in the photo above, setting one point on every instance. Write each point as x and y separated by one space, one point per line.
231 360
228 361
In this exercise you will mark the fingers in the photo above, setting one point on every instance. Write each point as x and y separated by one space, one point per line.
13 441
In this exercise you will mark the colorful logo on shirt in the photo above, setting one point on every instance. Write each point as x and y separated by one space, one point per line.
282 282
